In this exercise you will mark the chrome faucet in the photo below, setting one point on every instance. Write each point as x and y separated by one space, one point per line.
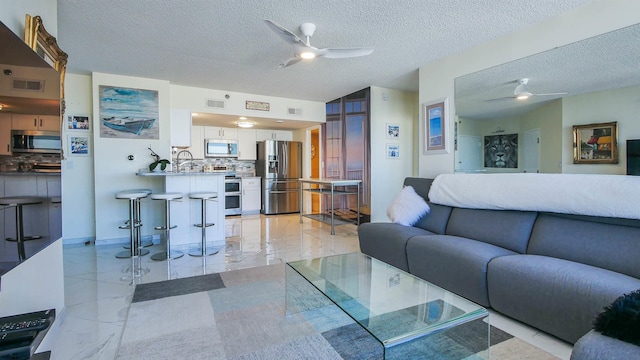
178 160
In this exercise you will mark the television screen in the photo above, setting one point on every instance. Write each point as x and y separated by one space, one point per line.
633 157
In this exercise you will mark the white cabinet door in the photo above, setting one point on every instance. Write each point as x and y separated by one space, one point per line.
262 135
214 132
247 144
35 122
49 123
5 134
180 127
251 199
197 141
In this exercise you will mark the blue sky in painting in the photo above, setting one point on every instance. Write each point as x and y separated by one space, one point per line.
122 102
435 126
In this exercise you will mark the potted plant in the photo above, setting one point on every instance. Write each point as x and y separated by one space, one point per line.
162 162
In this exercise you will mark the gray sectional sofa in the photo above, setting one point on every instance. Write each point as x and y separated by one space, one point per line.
552 271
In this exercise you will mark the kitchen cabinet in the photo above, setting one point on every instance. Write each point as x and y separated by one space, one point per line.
251 195
35 122
262 135
197 142
180 121
214 132
247 144
5 134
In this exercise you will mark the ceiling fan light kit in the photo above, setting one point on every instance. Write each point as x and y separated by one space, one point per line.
303 48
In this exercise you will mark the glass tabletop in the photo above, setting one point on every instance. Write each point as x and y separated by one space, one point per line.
392 305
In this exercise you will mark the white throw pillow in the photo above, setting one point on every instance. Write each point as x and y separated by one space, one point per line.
407 207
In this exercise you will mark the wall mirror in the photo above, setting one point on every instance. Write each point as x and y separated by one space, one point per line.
487 108
29 84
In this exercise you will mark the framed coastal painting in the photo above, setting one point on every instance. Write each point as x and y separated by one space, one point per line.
436 126
128 113
78 145
595 143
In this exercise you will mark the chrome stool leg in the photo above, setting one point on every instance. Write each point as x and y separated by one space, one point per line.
168 253
203 250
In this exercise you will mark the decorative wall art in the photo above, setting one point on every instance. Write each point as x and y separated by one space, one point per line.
501 151
393 131
78 145
257 105
436 126
75 122
393 151
129 113
595 143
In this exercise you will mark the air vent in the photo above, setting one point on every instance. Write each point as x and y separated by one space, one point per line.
28 85
216 104
293 111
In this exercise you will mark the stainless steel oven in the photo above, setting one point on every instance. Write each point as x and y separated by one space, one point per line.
232 196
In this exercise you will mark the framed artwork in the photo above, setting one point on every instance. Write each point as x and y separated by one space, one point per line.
595 143
501 151
78 145
129 113
393 151
436 126
392 131
257 105
78 122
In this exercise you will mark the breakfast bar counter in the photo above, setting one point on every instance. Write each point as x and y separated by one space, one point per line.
187 212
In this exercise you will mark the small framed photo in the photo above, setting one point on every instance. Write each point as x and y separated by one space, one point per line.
393 131
393 151
595 143
78 122
78 145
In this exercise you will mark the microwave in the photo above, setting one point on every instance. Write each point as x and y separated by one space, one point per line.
215 148
31 141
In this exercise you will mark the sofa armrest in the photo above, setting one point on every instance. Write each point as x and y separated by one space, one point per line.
593 345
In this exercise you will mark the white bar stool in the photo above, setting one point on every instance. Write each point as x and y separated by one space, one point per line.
133 225
203 250
18 202
168 253
144 243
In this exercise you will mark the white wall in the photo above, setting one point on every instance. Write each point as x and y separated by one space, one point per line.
621 105
437 79
387 175
13 14
113 172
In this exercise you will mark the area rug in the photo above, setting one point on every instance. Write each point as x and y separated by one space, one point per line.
240 315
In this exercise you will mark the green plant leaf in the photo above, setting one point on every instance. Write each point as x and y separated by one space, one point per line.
153 165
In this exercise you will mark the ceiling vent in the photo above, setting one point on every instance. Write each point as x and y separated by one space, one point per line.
215 104
28 85
297 112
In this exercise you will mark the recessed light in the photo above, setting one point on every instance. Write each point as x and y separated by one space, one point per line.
242 118
195 114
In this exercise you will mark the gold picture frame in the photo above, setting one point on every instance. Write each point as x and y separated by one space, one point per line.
46 46
595 143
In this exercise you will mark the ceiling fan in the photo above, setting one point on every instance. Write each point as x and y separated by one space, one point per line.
304 50
522 93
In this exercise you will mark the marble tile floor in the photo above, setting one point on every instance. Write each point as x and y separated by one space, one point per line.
98 289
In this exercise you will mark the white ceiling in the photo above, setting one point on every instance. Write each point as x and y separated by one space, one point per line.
226 45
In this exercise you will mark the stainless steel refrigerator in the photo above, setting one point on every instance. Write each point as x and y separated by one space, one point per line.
280 166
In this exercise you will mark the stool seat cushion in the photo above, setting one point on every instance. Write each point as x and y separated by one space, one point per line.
131 195
204 195
147 191
166 196
20 200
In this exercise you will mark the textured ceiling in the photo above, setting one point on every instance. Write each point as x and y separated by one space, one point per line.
226 45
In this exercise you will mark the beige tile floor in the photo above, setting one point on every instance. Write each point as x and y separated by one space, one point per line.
98 288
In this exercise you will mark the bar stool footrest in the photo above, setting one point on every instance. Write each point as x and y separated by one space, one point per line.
209 250
26 238
206 225
165 228
126 254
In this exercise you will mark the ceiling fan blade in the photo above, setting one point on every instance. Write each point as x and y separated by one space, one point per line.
550 94
285 34
340 53
291 61
501 98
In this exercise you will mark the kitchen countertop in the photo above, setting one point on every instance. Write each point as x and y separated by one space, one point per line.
28 173
183 173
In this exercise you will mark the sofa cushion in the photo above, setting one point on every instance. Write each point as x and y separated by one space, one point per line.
407 207
387 242
595 346
612 247
454 263
436 220
503 228
557 296
621 319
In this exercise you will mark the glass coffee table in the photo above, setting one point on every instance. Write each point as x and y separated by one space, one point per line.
408 317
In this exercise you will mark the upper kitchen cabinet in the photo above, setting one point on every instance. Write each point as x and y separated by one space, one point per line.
214 132
35 122
5 134
197 141
247 144
180 127
262 135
